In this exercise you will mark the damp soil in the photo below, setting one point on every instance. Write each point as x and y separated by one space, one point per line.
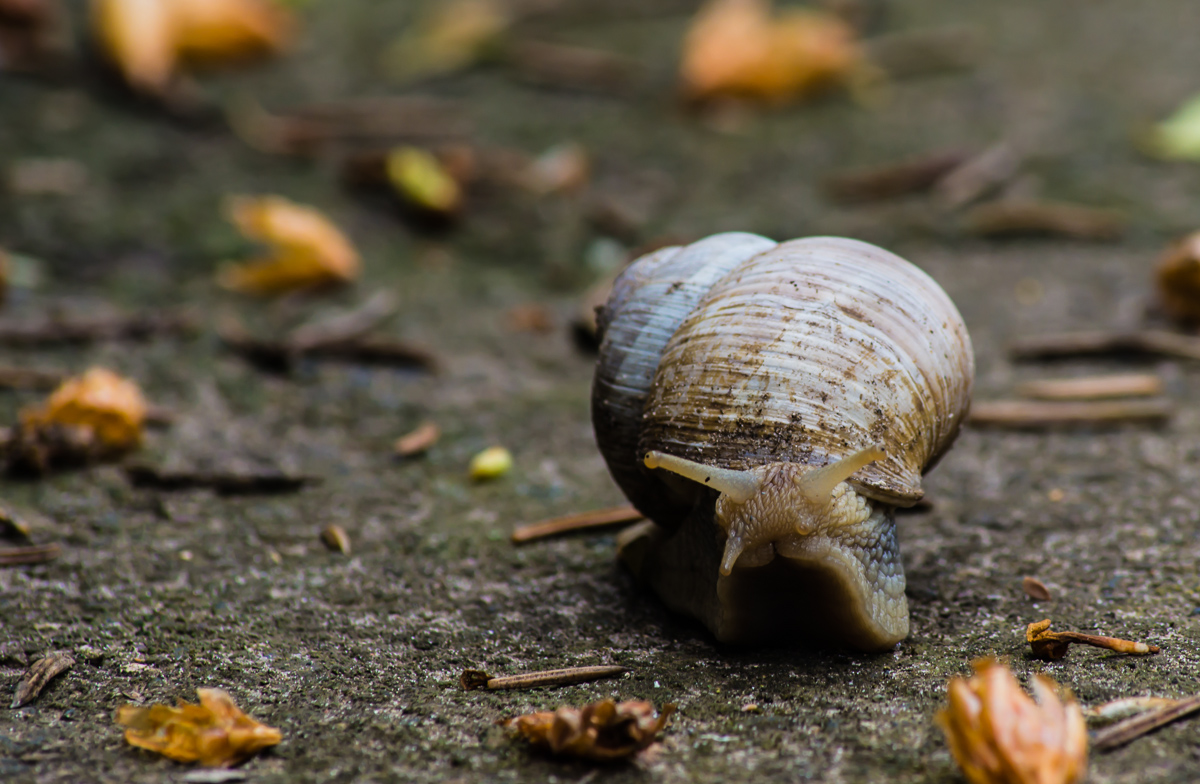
356 657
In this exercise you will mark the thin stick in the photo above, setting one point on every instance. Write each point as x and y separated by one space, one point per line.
140 326
1093 387
892 180
34 554
1061 413
1101 342
582 521
1052 646
12 377
1012 218
1125 707
1131 729
478 679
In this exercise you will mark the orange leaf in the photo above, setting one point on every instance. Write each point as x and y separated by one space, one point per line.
215 733
109 406
307 250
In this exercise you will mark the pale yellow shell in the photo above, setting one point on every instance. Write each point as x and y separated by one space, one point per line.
803 351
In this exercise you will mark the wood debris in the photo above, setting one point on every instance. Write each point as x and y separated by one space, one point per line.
307 251
1025 218
478 679
1038 414
310 129
94 416
62 329
1000 736
14 377
1035 589
39 674
215 733
898 179
1131 729
1125 707
1093 387
1154 342
1178 279
978 176
573 67
1051 646
248 482
30 554
601 731
581 521
417 441
281 354
336 539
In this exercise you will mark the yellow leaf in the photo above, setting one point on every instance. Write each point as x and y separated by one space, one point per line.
420 179
307 250
491 463
222 30
138 36
110 407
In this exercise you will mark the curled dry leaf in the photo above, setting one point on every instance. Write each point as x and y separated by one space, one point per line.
307 250
453 36
215 733
1050 645
1000 736
736 48
600 731
42 672
418 441
1035 589
96 415
1178 279
147 40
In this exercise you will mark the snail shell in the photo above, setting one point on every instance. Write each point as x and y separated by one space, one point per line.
789 396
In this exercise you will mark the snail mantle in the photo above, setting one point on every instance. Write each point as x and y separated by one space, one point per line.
768 406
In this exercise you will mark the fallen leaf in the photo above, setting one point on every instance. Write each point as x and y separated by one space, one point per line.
421 180
148 40
215 733
42 672
736 48
1178 136
1178 279
336 539
452 36
1035 589
1000 736
1052 646
600 731
307 250
95 415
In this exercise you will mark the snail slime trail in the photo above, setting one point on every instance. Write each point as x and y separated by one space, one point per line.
768 406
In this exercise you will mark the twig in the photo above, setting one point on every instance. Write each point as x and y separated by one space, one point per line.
343 327
573 67
282 354
1093 387
59 329
1100 342
226 483
1131 729
1051 646
1037 414
1017 218
897 179
30 378
582 521
979 176
34 554
1127 706
478 679
41 673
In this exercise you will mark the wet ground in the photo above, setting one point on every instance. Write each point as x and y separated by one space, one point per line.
356 658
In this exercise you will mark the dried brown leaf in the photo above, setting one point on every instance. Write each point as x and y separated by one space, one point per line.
1035 589
1000 736
601 731
41 673
215 733
1178 279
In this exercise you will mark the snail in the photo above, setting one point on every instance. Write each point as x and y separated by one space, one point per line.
768 406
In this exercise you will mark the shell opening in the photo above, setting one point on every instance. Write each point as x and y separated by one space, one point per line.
817 485
738 486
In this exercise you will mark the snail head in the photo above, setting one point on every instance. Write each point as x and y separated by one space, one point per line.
779 507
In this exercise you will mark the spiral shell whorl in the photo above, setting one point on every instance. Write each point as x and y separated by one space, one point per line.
649 302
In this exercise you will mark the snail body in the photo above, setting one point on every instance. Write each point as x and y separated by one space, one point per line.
768 406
